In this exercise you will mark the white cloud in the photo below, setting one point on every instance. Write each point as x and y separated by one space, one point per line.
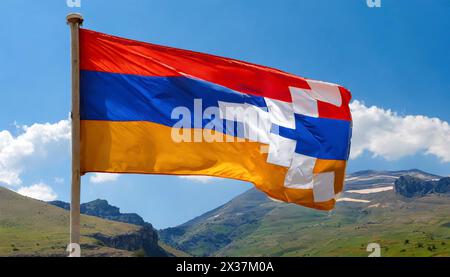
198 179
34 141
39 191
98 178
385 133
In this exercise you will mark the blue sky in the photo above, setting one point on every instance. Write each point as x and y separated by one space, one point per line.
395 57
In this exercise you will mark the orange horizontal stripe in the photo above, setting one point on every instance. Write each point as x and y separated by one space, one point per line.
147 148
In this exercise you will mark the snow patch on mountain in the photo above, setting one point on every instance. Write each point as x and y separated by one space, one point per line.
347 199
372 190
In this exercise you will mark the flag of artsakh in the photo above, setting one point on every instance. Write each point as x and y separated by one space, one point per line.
130 89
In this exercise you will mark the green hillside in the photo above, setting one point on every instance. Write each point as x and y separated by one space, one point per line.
30 227
419 228
253 225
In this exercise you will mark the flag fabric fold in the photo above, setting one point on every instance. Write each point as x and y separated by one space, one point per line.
290 136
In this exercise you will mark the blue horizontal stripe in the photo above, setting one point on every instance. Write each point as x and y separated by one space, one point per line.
121 97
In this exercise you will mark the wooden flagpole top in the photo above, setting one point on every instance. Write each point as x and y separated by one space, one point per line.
74 18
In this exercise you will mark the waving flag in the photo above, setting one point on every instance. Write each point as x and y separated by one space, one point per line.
152 109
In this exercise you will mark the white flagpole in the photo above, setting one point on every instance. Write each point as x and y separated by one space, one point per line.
75 20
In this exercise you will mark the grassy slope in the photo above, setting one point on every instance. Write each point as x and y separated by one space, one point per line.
416 228
289 230
216 229
31 227
252 225
173 251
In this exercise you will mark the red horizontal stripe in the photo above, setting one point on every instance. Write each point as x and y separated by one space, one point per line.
105 53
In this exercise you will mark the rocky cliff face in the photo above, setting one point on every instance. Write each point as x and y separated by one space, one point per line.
145 239
410 186
101 208
443 185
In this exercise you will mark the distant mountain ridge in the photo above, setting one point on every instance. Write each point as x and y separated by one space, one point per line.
410 186
101 208
369 210
371 178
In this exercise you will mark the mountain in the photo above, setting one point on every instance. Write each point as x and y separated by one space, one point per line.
410 186
370 210
29 227
101 208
